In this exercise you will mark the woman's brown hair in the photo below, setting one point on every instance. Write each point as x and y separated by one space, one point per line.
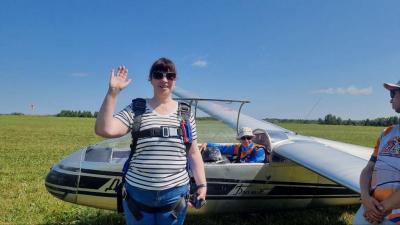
164 65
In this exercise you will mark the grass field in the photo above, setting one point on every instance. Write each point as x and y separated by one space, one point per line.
30 145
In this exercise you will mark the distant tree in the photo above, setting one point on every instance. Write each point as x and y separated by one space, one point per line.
349 122
72 113
393 120
17 114
331 119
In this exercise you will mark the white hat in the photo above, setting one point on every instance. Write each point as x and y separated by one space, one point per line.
245 131
392 87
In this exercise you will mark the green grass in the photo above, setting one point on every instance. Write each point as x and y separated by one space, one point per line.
359 135
30 145
28 148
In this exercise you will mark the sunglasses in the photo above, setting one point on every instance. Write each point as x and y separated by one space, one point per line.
246 137
158 75
393 93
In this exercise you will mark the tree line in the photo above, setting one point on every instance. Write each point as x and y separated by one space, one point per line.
382 121
77 113
328 119
336 120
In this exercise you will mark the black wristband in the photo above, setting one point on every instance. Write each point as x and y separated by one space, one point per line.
201 185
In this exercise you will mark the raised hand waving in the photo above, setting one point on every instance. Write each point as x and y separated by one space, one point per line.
119 79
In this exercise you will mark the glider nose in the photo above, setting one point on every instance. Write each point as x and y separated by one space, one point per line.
63 178
62 185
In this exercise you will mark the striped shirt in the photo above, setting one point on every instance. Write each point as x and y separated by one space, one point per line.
158 163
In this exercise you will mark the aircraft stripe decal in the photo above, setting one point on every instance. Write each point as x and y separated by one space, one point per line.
102 194
218 197
276 190
279 197
67 191
108 173
282 190
227 185
215 189
92 182
269 182
100 172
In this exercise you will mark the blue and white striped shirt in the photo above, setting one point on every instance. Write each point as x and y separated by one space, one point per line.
158 163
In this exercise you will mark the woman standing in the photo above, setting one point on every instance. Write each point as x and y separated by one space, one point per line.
157 181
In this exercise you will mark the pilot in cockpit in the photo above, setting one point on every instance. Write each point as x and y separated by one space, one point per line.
244 152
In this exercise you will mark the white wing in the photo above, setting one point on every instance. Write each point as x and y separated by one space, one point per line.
340 162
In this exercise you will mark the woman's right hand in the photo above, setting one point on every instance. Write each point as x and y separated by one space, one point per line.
372 209
119 80
203 147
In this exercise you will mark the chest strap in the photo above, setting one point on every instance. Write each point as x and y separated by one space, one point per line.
163 131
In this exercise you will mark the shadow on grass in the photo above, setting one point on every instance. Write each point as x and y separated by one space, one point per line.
86 218
320 216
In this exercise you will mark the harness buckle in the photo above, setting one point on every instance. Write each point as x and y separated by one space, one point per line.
165 132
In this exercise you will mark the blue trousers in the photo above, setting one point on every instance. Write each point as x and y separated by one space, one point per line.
155 199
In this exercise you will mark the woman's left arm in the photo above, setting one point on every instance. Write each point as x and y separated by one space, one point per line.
197 166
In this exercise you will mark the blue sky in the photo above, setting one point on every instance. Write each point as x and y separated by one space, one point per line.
291 59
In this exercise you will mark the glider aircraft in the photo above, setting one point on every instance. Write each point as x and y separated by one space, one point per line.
303 171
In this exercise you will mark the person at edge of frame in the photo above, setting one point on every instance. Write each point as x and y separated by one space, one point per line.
157 176
380 179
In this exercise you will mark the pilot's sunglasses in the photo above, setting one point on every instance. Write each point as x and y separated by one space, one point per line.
393 93
158 75
246 137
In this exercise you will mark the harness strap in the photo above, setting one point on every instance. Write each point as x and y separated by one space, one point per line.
138 107
163 131
184 114
239 154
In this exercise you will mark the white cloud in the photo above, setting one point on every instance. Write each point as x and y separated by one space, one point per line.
200 63
79 74
351 90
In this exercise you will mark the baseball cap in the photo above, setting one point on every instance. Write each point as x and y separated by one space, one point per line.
392 87
245 131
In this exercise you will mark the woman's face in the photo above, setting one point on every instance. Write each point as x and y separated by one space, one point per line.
163 82
246 141
395 100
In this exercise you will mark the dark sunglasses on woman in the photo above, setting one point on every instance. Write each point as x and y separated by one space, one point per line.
246 137
158 75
